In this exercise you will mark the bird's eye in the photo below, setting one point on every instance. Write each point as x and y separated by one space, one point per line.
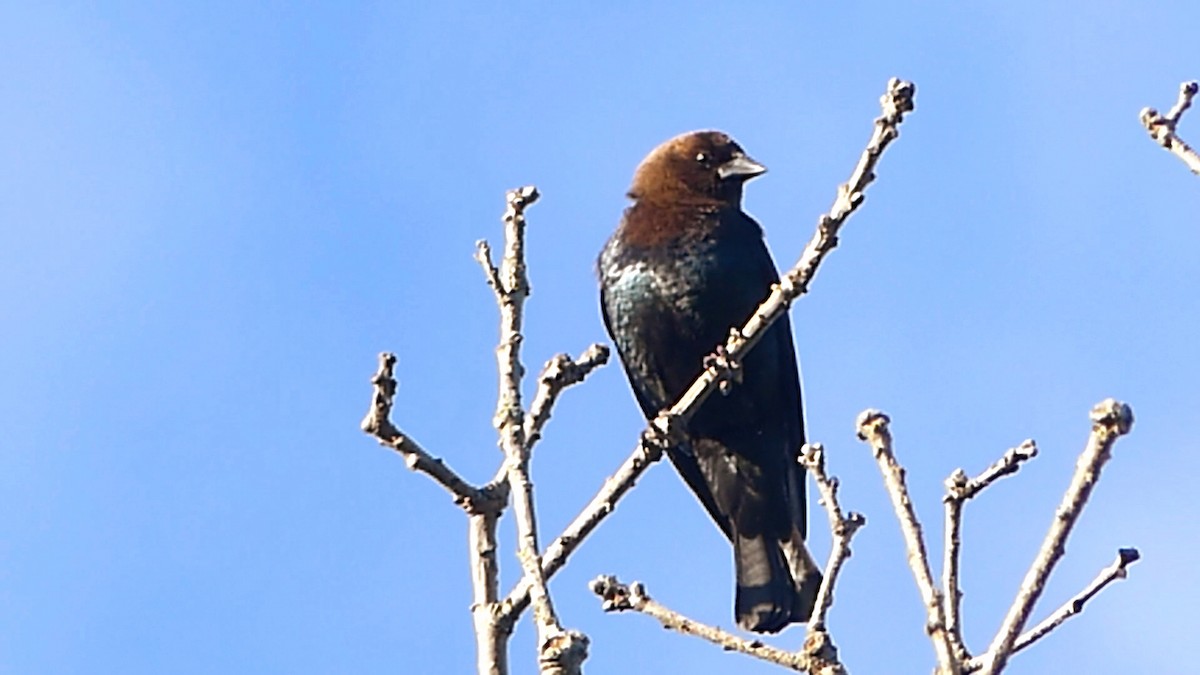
701 157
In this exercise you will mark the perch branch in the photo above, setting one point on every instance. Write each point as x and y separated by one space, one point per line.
873 428
1162 127
959 489
896 102
1117 570
1110 420
618 597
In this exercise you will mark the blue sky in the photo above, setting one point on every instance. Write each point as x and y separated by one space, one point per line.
216 215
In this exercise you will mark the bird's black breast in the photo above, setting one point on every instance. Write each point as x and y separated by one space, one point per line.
668 302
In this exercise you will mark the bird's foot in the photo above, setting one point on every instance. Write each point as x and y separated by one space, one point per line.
729 370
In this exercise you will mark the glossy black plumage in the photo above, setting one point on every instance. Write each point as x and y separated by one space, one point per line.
684 266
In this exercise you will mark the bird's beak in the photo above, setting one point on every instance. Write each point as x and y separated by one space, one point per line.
740 167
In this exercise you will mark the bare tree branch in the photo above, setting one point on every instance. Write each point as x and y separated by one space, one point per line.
378 423
1007 465
562 652
843 527
491 643
1162 127
483 256
483 506
559 373
618 597
559 652
1117 570
511 285
604 503
951 590
958 490
896 102
1110 420
873 428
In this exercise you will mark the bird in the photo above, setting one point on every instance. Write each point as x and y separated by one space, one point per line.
684 266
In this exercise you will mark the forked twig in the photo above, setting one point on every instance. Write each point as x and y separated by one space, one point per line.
1162 127
959 489
1110 420
378 424
843 526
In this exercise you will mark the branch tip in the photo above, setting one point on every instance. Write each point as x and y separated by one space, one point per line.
1128 556
522 197
563 653
870 423
615 596
1162 127
1113 416
1117 570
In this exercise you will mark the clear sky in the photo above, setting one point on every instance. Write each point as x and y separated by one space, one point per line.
215 215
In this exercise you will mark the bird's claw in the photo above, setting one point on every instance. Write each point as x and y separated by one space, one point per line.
729 370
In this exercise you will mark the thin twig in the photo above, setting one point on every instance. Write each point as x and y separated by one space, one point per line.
559 652
1117 570
483 506
1007 465
378 424
560 372
873 428
896 102
958 490
951 591
618 597
483 256
843 527
511 286
1162 127
1110 420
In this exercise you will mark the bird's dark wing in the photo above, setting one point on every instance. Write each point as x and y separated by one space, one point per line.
745 446
635 320
756 480
778 357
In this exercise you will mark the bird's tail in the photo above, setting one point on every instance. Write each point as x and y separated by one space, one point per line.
805 573
777 582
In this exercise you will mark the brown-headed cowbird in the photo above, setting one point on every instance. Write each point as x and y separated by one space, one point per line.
684 266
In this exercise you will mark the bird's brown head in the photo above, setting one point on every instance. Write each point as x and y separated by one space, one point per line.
697 166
